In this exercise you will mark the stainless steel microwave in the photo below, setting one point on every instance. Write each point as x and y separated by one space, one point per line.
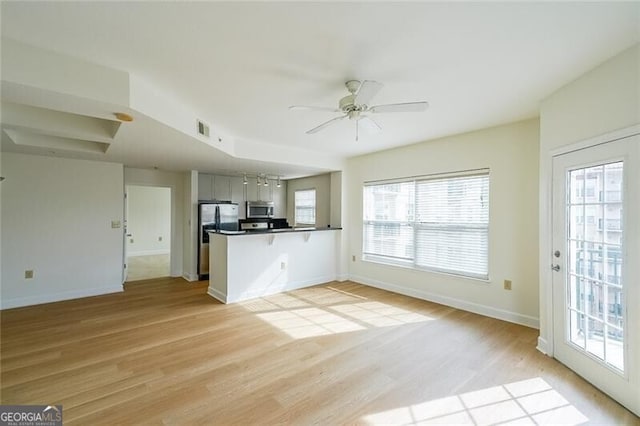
259 209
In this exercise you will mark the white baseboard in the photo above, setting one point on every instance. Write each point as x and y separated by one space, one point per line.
217 294
189 278
342 277
147 252
476 308
57 297
266 291
543 346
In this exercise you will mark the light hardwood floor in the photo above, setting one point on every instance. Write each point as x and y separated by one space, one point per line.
165 352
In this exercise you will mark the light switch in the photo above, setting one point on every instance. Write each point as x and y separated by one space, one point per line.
115 224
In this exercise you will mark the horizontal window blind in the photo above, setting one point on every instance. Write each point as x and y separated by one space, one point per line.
439 224
305 207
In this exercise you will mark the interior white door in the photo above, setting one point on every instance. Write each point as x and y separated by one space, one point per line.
596 258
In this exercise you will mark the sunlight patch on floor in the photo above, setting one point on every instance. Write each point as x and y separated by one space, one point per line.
317 312
528 402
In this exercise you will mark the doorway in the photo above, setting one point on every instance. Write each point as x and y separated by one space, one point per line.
596 272
148 232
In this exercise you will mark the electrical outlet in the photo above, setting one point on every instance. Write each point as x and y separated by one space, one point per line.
28 274
283 266
507 284
131 240
159 238
353 258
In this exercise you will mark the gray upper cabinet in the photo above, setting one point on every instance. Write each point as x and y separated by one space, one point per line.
205 186
231 188
252 190
222 188
237 196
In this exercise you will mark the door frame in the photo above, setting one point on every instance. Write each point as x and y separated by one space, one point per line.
546 337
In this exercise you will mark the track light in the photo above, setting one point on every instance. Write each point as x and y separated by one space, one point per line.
266 180
244 179
278 184
258 180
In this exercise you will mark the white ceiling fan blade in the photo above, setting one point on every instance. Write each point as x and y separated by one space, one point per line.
314 108
367 90
403 107
325 124
369 125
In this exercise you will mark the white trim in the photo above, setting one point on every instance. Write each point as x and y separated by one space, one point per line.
464 305
218 295
57 297
147 252
597 140
542 346
295 285
342 277
187 277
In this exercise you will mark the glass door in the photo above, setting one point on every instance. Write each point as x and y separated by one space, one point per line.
596 239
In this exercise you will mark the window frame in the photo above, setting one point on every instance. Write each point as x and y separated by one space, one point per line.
416 225
315 207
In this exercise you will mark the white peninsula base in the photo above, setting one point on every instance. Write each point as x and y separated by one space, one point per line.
246 266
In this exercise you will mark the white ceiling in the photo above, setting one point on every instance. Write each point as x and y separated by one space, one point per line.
240 65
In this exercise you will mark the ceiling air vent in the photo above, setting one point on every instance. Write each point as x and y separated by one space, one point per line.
203 129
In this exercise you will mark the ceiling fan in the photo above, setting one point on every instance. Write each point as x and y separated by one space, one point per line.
355 106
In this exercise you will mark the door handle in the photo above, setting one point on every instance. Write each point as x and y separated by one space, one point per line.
555 267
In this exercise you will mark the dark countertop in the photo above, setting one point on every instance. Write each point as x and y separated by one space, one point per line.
275 231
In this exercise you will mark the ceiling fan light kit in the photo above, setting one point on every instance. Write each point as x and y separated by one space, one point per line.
355 106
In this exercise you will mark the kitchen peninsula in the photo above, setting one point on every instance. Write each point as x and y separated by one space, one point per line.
246 265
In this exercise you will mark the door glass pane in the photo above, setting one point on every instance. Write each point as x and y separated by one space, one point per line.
576 328
576 224
613 265
614 306
575 257
595 337
576 293
577 186
595 307
614 348
594 262
593 222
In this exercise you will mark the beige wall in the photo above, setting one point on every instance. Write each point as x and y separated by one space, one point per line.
511 154
603 100
57 219
322 185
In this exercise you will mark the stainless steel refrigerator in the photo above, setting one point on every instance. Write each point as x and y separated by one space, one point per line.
213 217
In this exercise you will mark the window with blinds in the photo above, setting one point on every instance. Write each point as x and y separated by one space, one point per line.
305 207
437 223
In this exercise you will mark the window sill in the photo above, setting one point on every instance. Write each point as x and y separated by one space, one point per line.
407 265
